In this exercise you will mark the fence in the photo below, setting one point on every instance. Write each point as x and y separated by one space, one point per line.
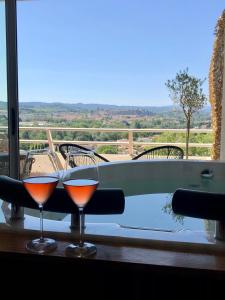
129 143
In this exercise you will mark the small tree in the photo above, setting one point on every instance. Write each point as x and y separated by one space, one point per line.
186 90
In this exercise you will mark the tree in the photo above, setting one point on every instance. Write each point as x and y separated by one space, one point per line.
186 90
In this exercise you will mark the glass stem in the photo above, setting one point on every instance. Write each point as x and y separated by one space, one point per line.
81 214
41 222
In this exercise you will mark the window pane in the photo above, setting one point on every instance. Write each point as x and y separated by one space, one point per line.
4 161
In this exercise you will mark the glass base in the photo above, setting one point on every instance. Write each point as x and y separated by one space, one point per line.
88 249
41 246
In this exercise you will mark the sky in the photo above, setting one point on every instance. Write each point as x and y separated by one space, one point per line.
112 51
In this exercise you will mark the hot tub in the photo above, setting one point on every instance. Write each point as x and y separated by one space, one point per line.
149 186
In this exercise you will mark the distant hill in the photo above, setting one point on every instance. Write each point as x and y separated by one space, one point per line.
103 115
93 107
90 106
68 107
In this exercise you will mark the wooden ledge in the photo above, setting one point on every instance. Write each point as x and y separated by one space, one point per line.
13 245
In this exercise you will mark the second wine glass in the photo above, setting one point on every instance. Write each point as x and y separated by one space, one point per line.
80 191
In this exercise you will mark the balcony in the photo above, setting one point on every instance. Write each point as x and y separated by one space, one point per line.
127 147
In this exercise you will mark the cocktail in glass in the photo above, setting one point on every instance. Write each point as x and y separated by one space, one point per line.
40 189
80 191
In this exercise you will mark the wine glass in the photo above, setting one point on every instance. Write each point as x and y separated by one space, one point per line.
40 189
80 191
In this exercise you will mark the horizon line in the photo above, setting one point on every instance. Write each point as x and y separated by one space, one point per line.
95 103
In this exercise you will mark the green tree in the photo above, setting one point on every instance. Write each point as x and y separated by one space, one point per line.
186 91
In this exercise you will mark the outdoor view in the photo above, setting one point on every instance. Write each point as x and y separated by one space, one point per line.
118 77
3 94
92 65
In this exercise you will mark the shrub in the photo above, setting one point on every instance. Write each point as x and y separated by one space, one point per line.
107 149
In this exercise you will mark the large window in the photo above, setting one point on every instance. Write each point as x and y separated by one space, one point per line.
104 64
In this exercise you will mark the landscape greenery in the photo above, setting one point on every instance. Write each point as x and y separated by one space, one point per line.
109 116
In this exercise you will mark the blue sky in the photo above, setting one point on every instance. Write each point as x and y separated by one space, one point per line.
112 51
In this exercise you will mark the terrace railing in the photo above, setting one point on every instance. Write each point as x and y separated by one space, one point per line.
129 143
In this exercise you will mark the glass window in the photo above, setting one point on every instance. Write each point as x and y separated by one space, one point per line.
4 158
104 64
